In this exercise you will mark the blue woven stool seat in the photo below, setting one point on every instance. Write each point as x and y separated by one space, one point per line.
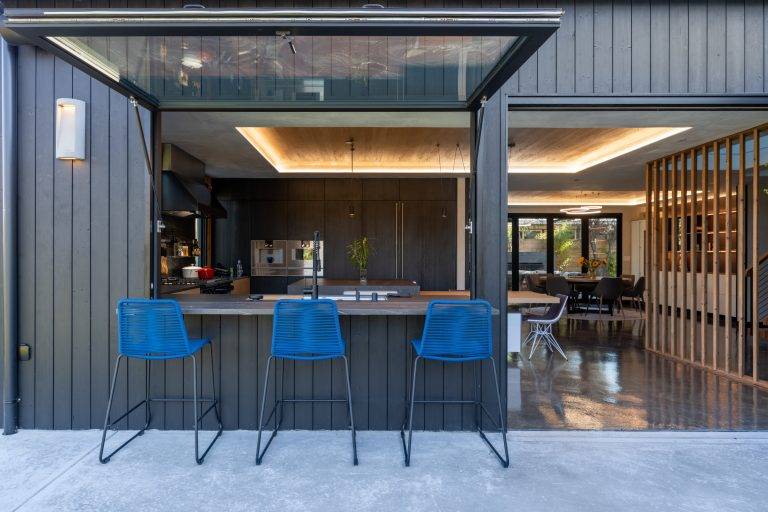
456 331
153 329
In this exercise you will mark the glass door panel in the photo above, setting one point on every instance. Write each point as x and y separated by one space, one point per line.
603 236
532 248
567 246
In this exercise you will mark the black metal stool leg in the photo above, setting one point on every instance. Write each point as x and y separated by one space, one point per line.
349 408
215 406
259 453
103 459
502 421
409 417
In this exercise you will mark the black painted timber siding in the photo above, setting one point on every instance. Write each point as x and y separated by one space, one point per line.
602 47
83 244
380 358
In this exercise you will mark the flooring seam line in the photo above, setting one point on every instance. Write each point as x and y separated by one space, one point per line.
60 474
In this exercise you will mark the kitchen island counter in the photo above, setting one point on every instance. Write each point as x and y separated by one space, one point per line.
240 306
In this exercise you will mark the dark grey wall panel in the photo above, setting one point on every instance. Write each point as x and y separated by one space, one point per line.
720 46
631 47
84 243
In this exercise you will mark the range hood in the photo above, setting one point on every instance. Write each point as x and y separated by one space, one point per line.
184 192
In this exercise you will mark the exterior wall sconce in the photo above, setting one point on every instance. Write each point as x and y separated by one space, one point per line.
70 129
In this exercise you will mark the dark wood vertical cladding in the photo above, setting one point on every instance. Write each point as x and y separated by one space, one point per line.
602 47
84 237
640 47
380 360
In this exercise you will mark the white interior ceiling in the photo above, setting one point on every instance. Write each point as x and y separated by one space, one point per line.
212 137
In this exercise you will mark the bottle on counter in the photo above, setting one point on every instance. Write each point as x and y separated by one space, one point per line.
239 268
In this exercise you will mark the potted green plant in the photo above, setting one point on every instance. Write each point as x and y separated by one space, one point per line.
359 251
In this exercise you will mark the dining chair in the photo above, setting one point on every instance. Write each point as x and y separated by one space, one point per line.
608 291
154 330
637 293
457 332
304 330
541 327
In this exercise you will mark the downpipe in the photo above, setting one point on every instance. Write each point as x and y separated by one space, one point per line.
8 224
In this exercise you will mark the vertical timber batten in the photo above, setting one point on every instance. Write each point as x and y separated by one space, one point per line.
717 228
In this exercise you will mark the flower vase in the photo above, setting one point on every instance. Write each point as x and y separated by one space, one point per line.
363 276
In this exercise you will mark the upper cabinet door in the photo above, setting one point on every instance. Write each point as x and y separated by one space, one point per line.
340 230
379 218
429 243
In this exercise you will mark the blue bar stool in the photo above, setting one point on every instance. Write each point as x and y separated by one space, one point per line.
456 332
304 330
154 330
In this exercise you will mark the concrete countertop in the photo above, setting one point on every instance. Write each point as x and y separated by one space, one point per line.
239 306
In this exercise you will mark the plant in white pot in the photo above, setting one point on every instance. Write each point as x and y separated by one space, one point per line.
359 251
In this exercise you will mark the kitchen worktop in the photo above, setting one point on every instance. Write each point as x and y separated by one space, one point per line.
238 305
403 287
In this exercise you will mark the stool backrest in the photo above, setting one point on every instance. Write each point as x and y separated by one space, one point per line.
458 329
151 327
306 329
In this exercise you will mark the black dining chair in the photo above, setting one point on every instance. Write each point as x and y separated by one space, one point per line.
637 293
608 291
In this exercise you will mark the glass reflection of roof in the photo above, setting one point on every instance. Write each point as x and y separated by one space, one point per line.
302 68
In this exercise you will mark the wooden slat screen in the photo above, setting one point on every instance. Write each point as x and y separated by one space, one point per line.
705 210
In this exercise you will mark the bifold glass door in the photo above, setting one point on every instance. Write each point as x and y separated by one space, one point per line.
555 244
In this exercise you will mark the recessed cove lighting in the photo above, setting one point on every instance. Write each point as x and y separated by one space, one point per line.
579 151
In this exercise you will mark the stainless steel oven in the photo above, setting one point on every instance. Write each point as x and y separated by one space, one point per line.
268 258
300 257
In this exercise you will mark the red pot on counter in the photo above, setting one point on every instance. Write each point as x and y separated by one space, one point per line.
205 273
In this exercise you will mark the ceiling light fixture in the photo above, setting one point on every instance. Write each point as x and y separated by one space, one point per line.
582 210
443 210
351 143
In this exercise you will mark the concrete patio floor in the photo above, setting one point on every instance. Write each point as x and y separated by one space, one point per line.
311 471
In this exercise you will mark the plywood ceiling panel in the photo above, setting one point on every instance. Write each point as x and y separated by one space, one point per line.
377 150
414 150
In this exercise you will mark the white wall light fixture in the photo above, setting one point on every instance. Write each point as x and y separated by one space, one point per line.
70 129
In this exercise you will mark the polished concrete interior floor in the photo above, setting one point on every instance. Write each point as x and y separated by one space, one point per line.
609 382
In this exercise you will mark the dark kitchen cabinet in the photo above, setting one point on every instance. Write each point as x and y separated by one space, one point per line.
429 243
269 220
304 218
379 227
402 217
340 230
231 236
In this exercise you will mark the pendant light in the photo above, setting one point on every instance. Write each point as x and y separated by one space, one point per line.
443 210
351 208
